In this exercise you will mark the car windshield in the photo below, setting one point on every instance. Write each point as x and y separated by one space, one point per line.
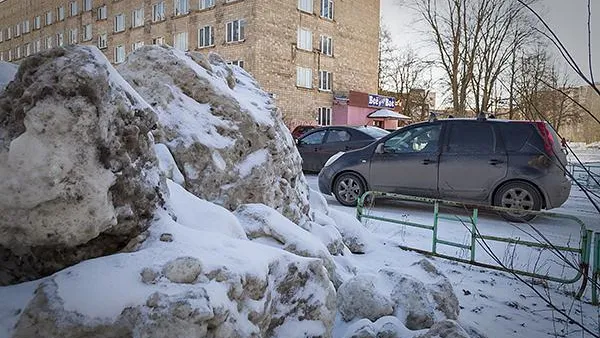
374 131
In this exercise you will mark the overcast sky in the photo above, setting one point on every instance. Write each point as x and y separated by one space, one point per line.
568 18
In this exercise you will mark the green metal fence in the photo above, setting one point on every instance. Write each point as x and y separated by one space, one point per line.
583 251
596 268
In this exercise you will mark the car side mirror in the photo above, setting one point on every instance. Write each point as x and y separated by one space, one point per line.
380 148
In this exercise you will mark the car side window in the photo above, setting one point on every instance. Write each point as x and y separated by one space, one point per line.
471 138
423 139
314 138
337 136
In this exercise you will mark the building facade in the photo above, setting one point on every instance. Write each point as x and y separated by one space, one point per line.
300 51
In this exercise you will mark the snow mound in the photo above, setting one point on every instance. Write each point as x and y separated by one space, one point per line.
222 130
78 173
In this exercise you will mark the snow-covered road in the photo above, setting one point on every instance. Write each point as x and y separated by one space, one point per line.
493 302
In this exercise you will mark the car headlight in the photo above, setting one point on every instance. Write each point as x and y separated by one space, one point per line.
333 158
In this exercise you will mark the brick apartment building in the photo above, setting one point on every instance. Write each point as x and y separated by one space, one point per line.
300 51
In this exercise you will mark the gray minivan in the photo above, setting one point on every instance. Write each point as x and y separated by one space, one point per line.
513 164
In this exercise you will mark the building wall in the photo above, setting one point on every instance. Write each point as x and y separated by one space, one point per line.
269 51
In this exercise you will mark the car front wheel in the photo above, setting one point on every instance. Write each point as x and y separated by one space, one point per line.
519 196
348 188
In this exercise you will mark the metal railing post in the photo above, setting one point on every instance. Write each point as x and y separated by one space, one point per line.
596 268
473 233
436 212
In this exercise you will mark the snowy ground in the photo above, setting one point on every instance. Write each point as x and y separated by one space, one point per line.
494 303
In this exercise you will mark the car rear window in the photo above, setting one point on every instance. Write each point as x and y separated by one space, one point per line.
515 134
374 131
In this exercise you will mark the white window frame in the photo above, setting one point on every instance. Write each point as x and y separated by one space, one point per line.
137 45
180 41
159 40
1 35
87 5
102 13
10 55
324 116
137 17
325 80
327 9
87 32
73 36
8 33
73 8
17 52
27 49
181 7
60 14
206 4
158 11
119 23
37 22
305 6
304 39
26 26
235 31
37 46
119 54
48 43
303 77
48 18
202 37
239 63
102 41
60 39
17 30
326 45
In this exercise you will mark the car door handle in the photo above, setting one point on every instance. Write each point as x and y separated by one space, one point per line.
495 162
347 148
428 161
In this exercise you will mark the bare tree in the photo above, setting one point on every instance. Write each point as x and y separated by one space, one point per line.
386 50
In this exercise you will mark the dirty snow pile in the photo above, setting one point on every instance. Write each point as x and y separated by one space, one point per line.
167 199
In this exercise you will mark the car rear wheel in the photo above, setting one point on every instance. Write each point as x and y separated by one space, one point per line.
519 196
348 188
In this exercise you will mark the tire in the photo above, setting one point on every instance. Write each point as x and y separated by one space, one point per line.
348 188
518 195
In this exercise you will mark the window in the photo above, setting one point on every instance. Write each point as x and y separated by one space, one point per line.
335 135
325 79
305 6
471 138
87 32
137 17
119 54
37 22
180 41
87 5
73 36
73 8
324 116
8 33
37 46
314 138
181 7
326 45
26 27
137 45
102 13
304 77
60 13
48 18
238 63
158 41
205 37
119 23
1 55
158 11
327 9
102 41
304 39
17 53
235 30
9 55
424 139
60 39
204 4
1 36
48 42
17 30
27 49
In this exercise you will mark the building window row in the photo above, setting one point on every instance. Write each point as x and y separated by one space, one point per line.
326 10
304 79
305 42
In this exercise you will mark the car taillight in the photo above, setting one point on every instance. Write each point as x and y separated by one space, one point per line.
546 136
